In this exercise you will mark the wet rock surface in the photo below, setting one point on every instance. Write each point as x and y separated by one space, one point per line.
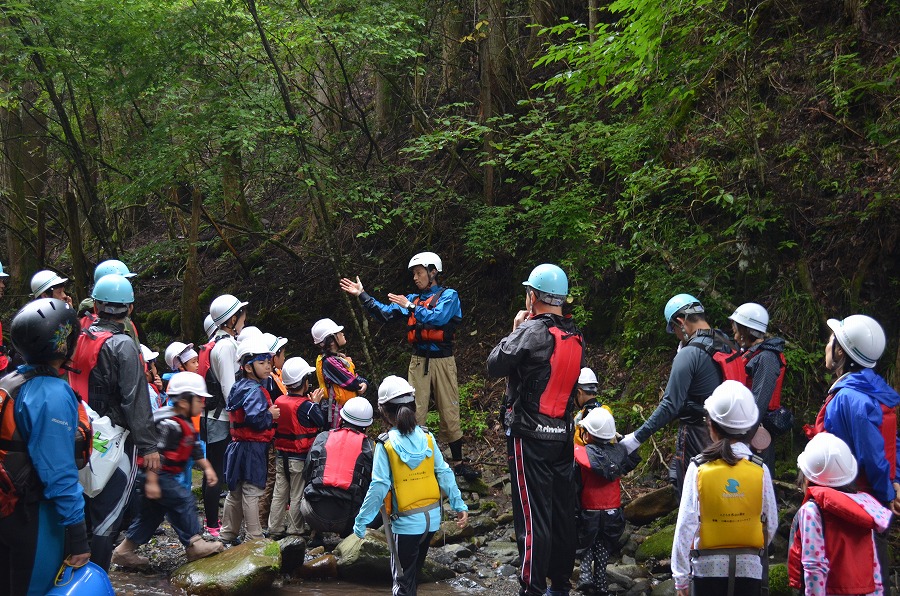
249 568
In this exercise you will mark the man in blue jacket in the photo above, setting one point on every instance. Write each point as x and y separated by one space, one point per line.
431 316
38 450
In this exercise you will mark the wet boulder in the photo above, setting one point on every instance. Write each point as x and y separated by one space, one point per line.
369 559
657 546
651 506
248 568
293 553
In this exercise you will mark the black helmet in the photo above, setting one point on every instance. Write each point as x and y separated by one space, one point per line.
44 330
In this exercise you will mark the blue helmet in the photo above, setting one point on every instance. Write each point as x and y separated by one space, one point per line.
113 288
89 580
551 280
112 266
2 273
680 304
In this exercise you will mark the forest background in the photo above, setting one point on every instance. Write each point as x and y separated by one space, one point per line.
739 151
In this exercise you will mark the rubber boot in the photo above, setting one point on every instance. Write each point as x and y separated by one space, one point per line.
199 548
125 556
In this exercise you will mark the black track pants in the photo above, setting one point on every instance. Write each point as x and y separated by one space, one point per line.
543 495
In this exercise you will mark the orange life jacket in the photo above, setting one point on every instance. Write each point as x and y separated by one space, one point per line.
420 333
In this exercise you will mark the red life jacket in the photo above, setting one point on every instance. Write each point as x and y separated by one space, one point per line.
174 460
87 320
290 435
888 431
85 359
4 361
18 478
848 544
203 357
342 449
420 333
597 493
216 402
241 431
731 365
775 402
565 366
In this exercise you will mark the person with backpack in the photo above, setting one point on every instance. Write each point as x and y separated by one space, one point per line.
335 371
861 409
705 358
164 495
831 545
41 502
764 362
432 315
110 266
253 420
728 513
338 471
218 365
108 372
408 463
276 388
298 425
600 463
542 359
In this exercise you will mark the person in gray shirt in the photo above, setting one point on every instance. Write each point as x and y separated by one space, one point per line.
692 379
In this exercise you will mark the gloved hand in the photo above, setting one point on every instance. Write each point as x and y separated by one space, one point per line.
630 443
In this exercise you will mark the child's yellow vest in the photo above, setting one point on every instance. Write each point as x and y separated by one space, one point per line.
731 505
414 490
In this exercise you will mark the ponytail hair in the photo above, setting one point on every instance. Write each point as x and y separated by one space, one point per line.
721 448
403 416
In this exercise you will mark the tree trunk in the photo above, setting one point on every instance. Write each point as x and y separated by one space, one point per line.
543 14
492 54
76 246
237 209
451 46
190 287
593 18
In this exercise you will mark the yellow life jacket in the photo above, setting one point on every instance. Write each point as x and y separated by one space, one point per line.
731 505
412 490
578 437
335 392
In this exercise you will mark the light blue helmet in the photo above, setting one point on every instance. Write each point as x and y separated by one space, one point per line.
550 280
112 266
680 304
89 580
2 273
113 288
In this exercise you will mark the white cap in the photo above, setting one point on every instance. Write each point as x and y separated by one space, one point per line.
395 389
322 328
827 461
599 423
357 411
294 370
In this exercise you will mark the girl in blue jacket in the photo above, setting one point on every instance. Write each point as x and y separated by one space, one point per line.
408 463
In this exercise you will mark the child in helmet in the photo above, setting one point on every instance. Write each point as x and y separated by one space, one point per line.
599 464
335 371
832 543
297 428
585 398
400 458
181 357
253 418
728 513
164 494
154 382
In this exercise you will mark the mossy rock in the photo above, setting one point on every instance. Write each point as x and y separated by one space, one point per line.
249 568
657 546
778 581
166 322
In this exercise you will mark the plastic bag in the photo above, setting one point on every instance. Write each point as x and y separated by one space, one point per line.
107 455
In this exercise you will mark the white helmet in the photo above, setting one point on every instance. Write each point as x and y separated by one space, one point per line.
253 346
174 349
295 370
861 337
587 377
276 343
44 280
209 327
224 307
732 407
425 259
751 315
599 423
827 461
395 389
248 332
148 354
186 383
357 411
323 328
